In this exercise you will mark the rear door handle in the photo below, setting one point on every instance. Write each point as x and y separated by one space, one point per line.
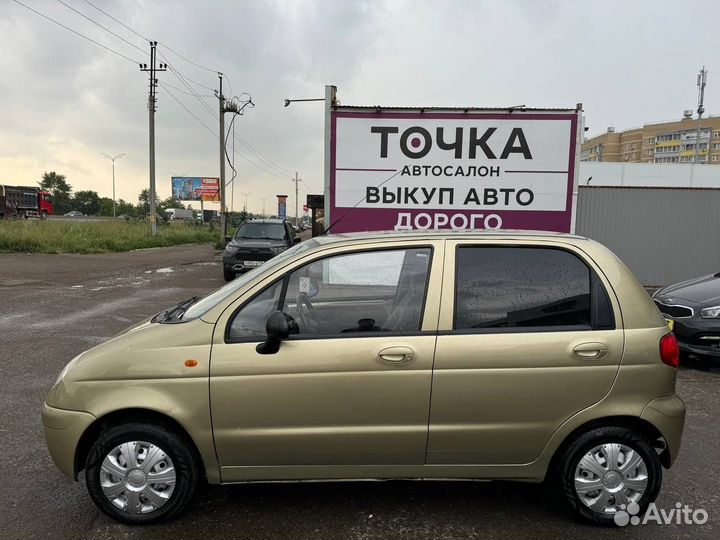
590 351
396 355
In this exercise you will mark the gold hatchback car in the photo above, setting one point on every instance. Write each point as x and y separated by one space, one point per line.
432 355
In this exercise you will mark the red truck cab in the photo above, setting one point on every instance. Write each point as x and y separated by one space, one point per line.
45 204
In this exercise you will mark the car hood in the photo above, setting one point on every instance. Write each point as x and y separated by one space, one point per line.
702 290
147 351
250 244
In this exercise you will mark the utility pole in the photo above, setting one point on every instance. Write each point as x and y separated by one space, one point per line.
701 82
152 107
223 210
232 107
297 184
263 200
113 158
246 198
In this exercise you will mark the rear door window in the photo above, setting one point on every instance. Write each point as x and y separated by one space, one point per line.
499 288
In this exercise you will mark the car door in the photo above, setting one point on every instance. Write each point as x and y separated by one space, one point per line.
527 338
347 394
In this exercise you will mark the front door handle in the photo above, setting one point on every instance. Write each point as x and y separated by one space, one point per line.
396 355
590 351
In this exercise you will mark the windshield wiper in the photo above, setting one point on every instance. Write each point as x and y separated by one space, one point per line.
175 312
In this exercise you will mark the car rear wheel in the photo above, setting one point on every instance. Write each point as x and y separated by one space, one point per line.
228 274
609 475
141 473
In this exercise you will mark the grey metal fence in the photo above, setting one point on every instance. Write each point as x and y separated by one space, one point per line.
664 235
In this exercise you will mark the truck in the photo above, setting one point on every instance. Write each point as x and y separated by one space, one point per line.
24 202
179 213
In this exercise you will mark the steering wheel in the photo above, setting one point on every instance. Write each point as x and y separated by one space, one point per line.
308 316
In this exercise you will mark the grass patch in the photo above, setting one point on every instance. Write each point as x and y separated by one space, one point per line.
102 236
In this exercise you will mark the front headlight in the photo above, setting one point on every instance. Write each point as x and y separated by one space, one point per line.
710 312
277 250
66 369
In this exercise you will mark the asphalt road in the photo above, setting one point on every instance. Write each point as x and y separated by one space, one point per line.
54 306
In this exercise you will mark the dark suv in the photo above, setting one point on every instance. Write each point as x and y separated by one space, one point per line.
254 242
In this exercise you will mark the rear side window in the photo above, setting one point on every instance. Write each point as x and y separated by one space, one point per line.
526 287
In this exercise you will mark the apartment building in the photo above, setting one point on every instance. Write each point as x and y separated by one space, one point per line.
662 142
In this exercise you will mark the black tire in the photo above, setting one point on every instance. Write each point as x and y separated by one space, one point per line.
587 441
228 274
178 450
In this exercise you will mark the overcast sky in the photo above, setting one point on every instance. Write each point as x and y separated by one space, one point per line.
64 100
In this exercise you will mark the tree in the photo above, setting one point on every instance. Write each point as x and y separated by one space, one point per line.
144 200
57 185
106 206
170 202
52 181
125 208
87 202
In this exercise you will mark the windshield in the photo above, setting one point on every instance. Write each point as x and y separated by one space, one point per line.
210 301
261 231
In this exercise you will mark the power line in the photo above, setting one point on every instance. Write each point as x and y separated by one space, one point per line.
182 78
101 26
77 33
164 85
186 80
231 161
235 152
186 77
165 45
259 155
188 93
186 59
117 21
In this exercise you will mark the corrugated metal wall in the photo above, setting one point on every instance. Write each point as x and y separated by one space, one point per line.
664 235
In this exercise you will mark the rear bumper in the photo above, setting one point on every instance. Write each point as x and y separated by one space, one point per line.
63 430
667 414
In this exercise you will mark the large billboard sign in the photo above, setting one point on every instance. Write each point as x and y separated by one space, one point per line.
455 169
196 188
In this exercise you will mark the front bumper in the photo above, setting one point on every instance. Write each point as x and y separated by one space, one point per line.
237 261
667 414
63 430
696 335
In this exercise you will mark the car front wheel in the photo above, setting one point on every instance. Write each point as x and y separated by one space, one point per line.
610 475
141 473
228 274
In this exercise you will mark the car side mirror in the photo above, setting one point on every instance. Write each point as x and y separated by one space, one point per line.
228 237
277 329
296 240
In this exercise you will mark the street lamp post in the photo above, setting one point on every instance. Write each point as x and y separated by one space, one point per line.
113 158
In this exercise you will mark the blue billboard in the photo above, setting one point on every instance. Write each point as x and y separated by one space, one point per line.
195 188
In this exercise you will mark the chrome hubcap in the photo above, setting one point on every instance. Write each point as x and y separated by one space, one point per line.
137 477
610 476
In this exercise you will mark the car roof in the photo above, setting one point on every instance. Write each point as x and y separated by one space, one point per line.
445 234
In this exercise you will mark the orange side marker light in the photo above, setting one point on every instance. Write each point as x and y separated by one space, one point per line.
191 363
